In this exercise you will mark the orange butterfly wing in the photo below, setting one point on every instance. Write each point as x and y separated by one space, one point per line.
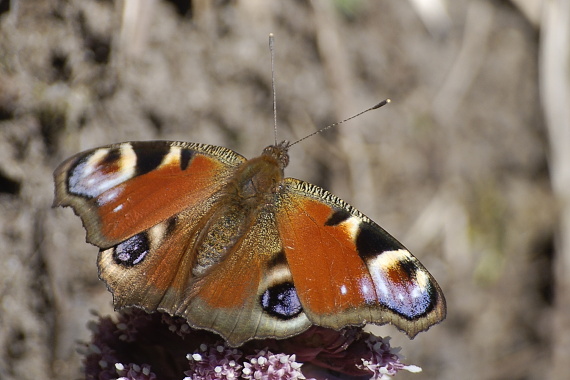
347 270
123 189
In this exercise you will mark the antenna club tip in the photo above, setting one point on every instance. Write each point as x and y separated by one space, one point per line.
270 35
382 103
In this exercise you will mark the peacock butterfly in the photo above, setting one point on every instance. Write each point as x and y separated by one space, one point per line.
234 247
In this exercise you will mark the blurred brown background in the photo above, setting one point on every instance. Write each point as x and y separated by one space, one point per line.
468 166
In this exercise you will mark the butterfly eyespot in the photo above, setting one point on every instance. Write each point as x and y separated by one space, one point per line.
401 286
412 302
83 179
100 171
132 251
281 301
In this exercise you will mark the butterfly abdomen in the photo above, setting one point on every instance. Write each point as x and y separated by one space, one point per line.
221 234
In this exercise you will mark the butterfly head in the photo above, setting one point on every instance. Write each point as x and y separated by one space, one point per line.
279 152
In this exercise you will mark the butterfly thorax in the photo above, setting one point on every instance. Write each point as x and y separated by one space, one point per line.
251 191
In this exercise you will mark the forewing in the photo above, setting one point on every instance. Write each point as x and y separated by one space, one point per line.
347 270
124 189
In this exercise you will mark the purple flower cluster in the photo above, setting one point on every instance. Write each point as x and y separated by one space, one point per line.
157 346
223 362
385 361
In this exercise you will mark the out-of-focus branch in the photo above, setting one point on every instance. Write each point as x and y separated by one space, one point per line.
555 94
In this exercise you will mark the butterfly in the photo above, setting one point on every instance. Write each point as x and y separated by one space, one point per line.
236 248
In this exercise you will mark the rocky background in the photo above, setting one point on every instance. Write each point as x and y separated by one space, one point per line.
468 166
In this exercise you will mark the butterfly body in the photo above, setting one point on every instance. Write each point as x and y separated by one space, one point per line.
235 247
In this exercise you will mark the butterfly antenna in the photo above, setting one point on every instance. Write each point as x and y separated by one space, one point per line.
382 103
272 53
